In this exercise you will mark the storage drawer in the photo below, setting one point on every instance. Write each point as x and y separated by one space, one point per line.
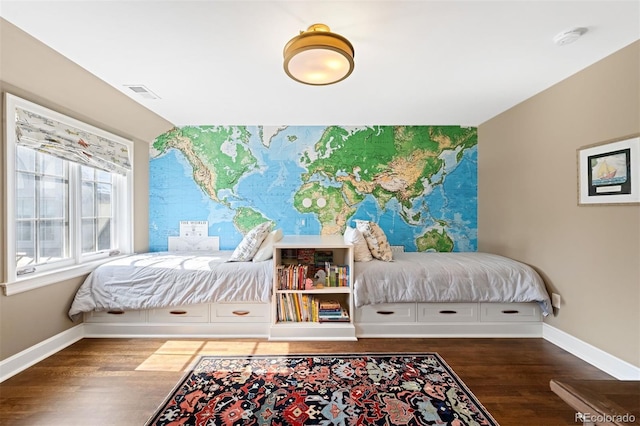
180 314
116 315
448 312
387 313
510 312
240 312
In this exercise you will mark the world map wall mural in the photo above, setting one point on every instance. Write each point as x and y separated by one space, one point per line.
419 183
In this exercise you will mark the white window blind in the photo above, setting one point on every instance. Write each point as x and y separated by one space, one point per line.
70 143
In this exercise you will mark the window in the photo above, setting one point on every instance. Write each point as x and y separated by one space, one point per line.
42 209
67 206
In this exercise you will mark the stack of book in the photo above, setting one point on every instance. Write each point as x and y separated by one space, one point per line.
297 307
332 311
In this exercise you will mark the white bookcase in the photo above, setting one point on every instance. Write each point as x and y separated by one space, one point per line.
299 324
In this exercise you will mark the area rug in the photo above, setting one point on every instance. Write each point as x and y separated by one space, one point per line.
291 390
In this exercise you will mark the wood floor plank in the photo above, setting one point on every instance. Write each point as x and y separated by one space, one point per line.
121 382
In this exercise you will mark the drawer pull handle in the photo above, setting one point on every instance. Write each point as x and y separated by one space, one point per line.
448 312
385 312
510 311
241 313
115 312
177 312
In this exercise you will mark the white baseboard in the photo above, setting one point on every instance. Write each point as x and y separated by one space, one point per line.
22 360
606 362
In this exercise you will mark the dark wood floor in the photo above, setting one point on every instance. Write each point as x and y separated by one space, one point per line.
119 382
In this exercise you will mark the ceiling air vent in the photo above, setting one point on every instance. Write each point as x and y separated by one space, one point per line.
142 91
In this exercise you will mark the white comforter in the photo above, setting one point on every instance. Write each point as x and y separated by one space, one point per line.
163 279
448 277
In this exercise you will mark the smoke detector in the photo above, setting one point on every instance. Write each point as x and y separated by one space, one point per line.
569 36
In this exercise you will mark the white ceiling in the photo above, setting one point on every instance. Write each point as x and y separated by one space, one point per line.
417 62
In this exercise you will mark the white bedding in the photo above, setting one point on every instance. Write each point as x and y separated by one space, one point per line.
448 277
163 279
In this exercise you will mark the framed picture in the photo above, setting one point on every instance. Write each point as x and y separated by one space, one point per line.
609 172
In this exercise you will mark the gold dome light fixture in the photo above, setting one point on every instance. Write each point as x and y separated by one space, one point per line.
318 57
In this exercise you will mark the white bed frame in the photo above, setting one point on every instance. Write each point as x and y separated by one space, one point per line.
253 320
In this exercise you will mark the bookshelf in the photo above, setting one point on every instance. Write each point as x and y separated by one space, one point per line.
312 289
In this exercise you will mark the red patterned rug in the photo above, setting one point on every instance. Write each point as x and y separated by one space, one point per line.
291 390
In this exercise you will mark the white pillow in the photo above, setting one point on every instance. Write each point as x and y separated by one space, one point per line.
266 248
361 251
250 243
376 240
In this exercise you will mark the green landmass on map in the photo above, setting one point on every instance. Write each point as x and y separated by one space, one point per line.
434 240
219 155
247 218
388 162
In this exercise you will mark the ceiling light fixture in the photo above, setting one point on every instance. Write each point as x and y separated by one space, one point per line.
318 57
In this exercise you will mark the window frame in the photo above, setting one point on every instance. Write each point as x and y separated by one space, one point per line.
80 263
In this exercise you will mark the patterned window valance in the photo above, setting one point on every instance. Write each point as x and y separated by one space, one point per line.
70 143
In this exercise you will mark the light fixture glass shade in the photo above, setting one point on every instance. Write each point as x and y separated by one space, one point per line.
318 56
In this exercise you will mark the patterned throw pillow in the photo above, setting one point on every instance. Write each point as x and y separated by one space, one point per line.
376 240
266 248
361 251
250 243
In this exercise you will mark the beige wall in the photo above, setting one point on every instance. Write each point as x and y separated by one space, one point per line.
527 190
527 201
35 72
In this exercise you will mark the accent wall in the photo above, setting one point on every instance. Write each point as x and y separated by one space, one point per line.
419 183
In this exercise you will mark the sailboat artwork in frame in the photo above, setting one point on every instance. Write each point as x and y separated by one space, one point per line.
609 172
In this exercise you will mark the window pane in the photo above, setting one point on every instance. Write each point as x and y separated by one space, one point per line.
25 196
53 198
88 235
25 243
25 159
53 241
102 176
104 234
88 199
87 173
104 200
52 166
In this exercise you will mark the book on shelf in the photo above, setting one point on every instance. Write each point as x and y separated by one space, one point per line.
322 256
343 317
301 307
336 275
306 256
297 307
289 255
294 276
332 311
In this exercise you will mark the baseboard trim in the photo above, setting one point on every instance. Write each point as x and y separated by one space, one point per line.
600 359
22 360
606 362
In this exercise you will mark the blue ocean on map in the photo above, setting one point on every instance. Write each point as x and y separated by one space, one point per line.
269 190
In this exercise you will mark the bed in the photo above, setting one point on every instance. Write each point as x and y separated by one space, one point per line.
448 277
415 295
448 295
166 279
